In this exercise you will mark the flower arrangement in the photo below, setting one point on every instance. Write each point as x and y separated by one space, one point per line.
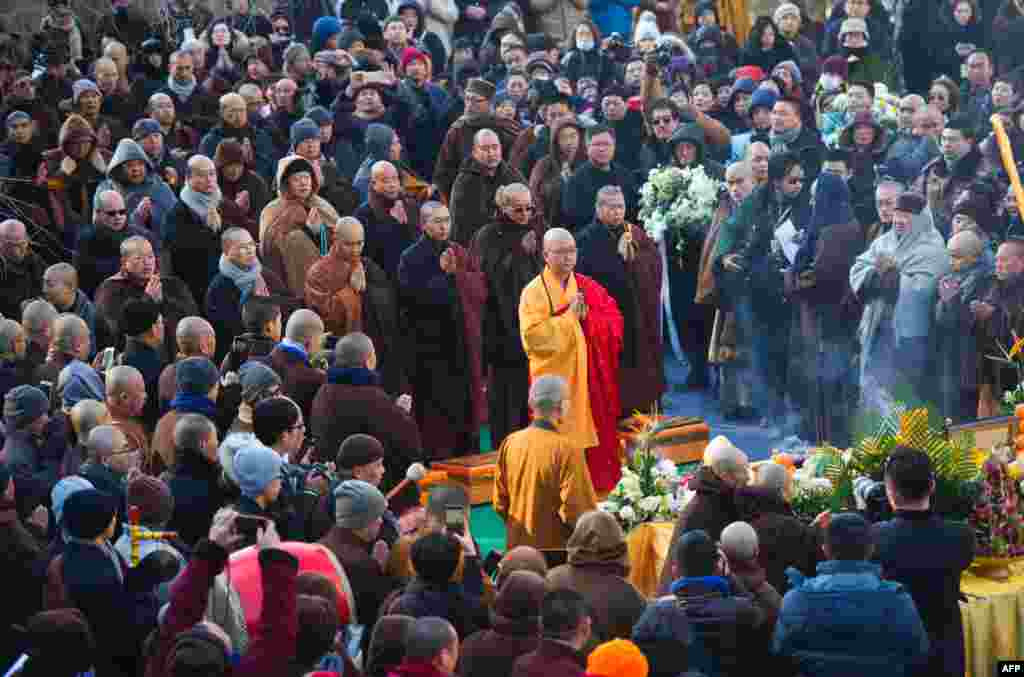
647 491
651 489
680 199
1013 357
996 519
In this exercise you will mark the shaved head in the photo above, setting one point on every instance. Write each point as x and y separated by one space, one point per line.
382 169
103 441
557 235
86 415
303 326
966 243
739 540
349 228
193 335
123 378
353 350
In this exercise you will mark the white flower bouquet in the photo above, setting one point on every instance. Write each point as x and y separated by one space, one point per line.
649 491
681 199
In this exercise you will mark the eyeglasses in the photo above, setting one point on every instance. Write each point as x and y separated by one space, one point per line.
521 209
116 212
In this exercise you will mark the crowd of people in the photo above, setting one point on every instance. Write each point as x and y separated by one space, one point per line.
254 267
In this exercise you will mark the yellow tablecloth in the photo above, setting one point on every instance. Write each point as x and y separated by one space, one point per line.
993 616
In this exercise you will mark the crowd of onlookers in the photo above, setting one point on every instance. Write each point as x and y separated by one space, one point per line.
254 266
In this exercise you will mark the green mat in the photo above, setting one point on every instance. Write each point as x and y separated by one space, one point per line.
488 529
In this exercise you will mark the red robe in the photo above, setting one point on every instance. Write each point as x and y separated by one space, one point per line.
603 328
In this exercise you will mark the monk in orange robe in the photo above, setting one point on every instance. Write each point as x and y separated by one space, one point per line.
571 327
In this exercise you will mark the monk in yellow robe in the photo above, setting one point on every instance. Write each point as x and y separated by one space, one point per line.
541 482
570 326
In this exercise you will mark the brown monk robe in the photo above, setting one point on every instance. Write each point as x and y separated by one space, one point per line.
295 228
352 293
625 261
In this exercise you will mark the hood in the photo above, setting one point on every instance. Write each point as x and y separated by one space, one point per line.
75 127
754 501
323 29
691 132
707 482
282 168
378 142
881 141
598 539
128 149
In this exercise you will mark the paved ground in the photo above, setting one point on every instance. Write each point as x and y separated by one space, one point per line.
678 401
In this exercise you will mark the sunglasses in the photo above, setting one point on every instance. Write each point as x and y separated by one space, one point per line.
528 209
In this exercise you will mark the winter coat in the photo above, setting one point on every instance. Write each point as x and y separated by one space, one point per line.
98 253
712 509
115 291
579 193
847 620
351 402
458 603
72 184
34 467
552 658
223 306
429 107
595 63
558 18
20 281
386 236
956 345
783 540
611 16
472 197
486 653
274 642
265 156
547 175
21 551
191 251
195 484
458 144
152 186
615 603
300 381
927 555
370 585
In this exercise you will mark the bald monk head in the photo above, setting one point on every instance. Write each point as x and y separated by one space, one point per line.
196 338
560 252
775 478
964 249
487 150
305 328
728 462
739 542
350 237
355 350
548 397
521 558
86 415
71 336
384 181
436 220
126 392
60 285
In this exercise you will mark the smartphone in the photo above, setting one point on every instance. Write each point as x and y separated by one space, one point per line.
455 519
108 358
47 388
249 525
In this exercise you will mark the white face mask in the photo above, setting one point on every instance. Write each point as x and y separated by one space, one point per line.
830 82
585 44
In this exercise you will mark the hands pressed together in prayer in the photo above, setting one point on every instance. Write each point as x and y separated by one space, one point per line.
154 288
357 280
448 264
949 287
529 242
982 311
404 402
884 264
579 307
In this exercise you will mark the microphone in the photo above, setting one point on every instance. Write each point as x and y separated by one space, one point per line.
413 474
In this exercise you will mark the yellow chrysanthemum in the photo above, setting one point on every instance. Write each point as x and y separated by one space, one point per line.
1018 345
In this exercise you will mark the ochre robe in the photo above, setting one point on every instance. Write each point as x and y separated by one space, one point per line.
586 355
541 487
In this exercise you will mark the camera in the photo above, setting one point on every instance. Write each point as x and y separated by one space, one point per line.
246 346
615 40
663 54
871 499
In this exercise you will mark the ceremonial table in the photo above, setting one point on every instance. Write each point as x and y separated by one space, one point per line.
993 614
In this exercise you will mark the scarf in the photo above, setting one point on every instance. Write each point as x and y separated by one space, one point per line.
715 583
204 205
294 349
248 281
187 403
183 92
780 142
352 376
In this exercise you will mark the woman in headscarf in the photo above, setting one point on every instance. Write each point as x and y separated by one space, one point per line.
565 154
383 143
74 170
597 569
822 346
296 228
896 279
766 47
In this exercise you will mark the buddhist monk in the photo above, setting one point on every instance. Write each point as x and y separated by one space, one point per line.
624 260
541 483
571 327
352 293
442 293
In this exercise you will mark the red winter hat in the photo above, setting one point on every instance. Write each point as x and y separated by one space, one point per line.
410 54
755 73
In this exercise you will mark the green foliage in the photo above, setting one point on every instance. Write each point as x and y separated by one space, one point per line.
809 504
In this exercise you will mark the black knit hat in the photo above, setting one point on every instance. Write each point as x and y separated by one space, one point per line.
88 513
910 202
138 316
197 652
359 449
59 642
272 417
296 165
